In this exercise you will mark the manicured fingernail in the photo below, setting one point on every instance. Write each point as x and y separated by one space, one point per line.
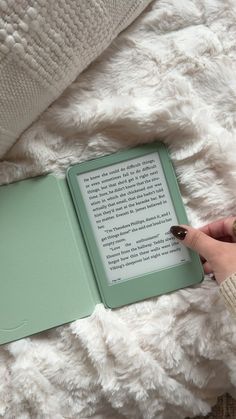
234 227
178 232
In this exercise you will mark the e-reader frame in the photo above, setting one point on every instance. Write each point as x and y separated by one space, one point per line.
150 284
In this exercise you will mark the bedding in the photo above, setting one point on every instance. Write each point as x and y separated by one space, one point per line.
171 77
44 45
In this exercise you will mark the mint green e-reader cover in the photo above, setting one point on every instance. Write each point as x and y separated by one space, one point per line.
51 272
134 256
45 273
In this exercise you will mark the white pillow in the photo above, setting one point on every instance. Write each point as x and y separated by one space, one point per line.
44 47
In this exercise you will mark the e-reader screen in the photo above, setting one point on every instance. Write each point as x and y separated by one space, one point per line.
131 211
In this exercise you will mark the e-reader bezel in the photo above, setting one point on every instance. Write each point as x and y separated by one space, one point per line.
150 284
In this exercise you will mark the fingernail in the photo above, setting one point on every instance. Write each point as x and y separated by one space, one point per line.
178 232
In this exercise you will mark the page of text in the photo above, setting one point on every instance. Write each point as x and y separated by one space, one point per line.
131 212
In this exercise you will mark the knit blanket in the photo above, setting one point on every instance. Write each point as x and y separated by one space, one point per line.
171 76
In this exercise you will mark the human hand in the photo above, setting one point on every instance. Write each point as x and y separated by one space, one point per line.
216 244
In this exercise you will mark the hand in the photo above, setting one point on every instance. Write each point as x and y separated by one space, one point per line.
215 242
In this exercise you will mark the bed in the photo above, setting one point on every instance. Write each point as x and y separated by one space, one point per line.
170 76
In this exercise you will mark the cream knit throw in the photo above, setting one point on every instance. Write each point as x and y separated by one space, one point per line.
44 45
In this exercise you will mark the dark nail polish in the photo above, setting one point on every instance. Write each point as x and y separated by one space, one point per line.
178 232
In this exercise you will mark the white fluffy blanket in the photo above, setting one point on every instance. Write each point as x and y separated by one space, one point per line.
172 77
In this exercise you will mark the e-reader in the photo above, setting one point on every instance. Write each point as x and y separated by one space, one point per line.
126 203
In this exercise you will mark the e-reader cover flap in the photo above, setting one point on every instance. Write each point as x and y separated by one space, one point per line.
126 203
45 275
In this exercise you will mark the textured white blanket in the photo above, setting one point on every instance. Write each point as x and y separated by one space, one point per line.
44 45
171 76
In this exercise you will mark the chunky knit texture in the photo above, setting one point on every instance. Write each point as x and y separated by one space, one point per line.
44 45
228 291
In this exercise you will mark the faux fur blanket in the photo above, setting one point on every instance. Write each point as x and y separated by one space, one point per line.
172 77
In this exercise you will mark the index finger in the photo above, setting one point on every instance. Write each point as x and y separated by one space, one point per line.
221 228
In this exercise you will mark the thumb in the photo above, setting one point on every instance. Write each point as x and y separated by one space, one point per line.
196 240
